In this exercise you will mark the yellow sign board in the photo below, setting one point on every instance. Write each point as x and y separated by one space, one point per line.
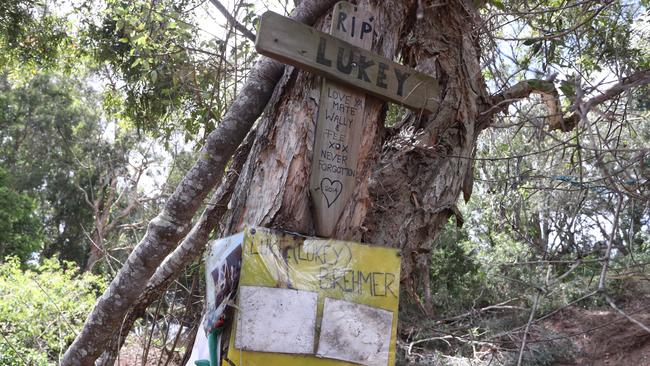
306 301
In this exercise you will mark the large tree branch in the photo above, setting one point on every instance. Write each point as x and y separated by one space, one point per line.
637 79
523 89
170 226
122 214
501 101
232 20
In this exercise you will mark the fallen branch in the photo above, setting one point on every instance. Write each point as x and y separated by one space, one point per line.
613 305
474 312
445 339
527 329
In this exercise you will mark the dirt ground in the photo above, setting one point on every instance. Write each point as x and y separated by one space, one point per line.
604 337
601 337
132 355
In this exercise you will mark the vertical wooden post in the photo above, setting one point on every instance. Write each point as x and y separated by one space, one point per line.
340 122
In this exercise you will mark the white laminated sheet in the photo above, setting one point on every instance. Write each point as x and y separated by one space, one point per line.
355 333
276 320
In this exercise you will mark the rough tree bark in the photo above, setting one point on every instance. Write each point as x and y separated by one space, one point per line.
409 177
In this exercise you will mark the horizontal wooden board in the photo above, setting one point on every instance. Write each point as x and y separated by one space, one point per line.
297 44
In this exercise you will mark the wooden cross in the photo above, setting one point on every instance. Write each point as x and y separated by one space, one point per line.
350 72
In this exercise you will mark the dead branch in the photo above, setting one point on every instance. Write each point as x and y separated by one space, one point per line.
608 253
628 317
531 318
232 20
527 329
474 312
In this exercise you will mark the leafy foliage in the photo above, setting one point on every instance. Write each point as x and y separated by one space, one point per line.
543 200
74 165
42 309
20 233
30 34
173 78
42 122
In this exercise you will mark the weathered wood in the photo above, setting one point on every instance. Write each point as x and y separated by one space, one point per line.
305 47
339 127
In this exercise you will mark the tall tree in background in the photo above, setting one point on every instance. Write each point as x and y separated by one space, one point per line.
20 229
411 174
41 118
56 150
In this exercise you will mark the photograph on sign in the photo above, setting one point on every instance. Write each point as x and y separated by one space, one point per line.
276 320
223 265
355 333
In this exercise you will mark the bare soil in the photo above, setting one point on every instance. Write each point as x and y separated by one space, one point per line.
131 354
605 337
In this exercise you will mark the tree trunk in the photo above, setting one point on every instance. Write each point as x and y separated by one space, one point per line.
410 176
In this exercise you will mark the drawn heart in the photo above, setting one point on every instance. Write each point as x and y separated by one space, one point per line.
331 190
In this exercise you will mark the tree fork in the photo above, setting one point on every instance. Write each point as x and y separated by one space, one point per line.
273 190
406 189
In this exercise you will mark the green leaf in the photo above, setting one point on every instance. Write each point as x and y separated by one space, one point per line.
498 4
568 89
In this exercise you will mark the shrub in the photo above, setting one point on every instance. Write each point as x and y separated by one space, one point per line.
42 309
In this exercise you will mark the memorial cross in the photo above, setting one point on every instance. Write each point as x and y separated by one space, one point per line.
350 72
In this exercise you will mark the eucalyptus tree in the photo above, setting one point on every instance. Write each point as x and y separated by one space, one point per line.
582 59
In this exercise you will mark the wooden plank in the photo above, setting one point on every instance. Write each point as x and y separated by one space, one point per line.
300 45
339 127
